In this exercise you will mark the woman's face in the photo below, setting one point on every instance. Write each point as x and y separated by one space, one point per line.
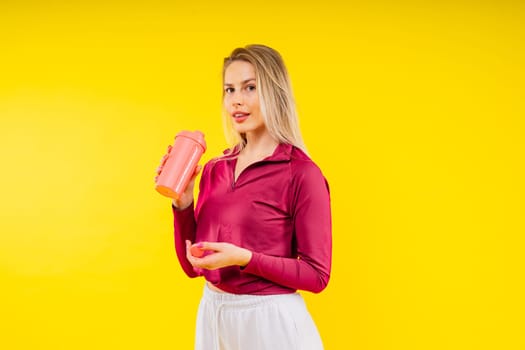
241 100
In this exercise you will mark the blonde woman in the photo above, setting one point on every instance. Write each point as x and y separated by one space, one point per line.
262 219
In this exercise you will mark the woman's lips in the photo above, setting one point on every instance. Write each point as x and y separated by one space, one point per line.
240 117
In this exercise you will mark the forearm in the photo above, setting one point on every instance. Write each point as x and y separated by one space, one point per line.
184 229
302 274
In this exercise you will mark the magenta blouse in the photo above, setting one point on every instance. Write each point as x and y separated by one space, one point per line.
279 208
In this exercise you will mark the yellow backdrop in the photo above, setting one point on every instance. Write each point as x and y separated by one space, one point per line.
414 112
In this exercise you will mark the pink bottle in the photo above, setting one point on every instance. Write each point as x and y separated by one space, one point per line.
180 164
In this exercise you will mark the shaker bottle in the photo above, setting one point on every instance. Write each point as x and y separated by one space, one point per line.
179 166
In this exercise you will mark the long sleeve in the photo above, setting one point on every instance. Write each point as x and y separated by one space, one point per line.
184 228
310 271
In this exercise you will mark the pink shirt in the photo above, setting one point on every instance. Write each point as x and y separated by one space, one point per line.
279 208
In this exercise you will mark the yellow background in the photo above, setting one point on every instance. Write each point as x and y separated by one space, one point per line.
414 111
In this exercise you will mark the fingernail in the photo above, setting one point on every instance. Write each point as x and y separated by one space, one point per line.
200 245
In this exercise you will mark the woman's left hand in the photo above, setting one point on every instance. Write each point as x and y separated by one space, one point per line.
219 255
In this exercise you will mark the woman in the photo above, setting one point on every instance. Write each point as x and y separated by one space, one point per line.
262 218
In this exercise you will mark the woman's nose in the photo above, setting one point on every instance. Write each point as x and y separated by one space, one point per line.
237 99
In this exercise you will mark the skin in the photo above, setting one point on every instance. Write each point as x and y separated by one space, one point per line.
240 94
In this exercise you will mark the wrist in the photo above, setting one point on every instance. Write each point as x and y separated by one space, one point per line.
180 206
245 257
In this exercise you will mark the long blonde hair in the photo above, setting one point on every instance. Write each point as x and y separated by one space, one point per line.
275 96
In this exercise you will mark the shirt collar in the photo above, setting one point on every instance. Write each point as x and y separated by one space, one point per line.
283 152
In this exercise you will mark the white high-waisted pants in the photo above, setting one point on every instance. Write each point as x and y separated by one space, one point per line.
254 322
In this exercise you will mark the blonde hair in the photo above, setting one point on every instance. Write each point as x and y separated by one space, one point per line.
275 96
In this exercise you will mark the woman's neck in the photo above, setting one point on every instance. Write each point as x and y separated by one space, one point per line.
259 146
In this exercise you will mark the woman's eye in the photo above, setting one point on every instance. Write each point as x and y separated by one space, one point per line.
250 88
228 90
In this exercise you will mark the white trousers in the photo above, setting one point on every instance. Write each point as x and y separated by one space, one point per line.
254 322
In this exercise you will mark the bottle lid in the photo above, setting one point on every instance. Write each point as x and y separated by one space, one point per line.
196 136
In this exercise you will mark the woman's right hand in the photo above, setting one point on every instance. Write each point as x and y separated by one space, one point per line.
186 198
162 162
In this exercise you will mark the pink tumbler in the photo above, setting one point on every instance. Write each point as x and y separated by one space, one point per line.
180 164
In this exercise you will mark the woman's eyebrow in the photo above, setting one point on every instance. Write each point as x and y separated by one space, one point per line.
242 82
